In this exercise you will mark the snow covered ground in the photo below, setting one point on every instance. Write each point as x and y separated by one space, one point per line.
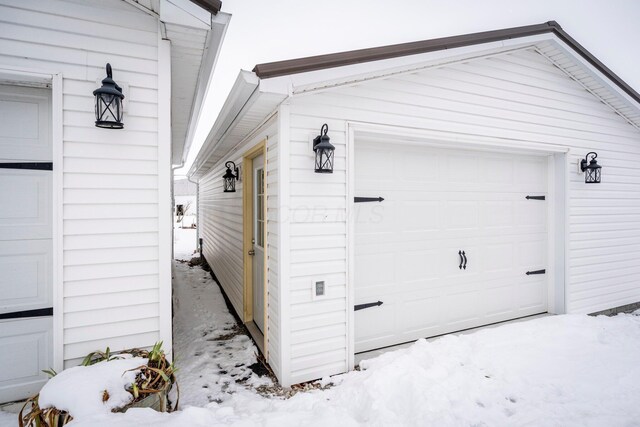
570 370
184 243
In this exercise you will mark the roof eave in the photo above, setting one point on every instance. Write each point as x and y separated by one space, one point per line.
320 62
219 25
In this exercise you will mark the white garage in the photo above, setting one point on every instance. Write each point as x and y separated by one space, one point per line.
450 246
85 198
465 181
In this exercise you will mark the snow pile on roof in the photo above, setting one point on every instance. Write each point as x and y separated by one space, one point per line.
80 390
571 370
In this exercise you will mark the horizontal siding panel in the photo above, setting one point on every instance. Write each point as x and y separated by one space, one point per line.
85 150
95 343
110 285
309 337
319 345
319 365
108 315
114 240
106 181
101 271
77 211
110 166
110 256
117 299
107 226
100 196
111 330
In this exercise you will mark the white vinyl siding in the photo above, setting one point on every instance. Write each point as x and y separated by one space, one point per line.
110 177
220 227
518 97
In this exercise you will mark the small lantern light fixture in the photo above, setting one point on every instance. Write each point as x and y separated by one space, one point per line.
324 151
592 170
230 177
109 103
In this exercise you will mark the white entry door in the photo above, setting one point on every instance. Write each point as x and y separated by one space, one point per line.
25 241
450 245
258 241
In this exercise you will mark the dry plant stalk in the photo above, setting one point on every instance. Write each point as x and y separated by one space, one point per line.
157 376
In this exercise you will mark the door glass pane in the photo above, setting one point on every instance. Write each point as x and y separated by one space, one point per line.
259 207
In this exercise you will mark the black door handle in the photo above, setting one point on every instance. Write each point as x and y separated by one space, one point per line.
460 255
465 260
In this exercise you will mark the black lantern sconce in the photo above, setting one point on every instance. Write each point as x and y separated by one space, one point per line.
323 151
230 177
592 170
109 98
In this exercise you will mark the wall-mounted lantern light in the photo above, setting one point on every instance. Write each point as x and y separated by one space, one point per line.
230 177
591 169
324 151
109 103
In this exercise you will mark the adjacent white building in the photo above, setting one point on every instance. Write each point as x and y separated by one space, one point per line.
86 212
474 145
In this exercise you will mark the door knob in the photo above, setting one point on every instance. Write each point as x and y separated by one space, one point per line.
252 252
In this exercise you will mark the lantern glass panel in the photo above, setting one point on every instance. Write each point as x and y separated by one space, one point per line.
108 111
229 184
592 176
324 160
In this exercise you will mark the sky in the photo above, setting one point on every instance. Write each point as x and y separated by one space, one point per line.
272 30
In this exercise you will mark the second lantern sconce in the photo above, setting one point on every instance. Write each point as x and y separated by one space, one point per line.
230 177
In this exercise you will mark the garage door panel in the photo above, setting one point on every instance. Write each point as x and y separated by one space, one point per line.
26 279
24 124
25 208
419 265
419 315
372 268
498 213
25 350
531 172
419 216
375 218
477 204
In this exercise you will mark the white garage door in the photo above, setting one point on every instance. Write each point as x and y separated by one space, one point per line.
25 240
450 245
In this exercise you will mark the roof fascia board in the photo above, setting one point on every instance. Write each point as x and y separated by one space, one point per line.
330 77
244 89
185 13
274 69
219 25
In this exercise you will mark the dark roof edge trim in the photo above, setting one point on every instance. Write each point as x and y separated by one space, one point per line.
211 6
319 62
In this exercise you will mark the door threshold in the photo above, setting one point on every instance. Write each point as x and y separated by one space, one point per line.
256 334
370 354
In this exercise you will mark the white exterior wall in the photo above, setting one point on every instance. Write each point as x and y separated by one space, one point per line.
111 199
518 96
220 227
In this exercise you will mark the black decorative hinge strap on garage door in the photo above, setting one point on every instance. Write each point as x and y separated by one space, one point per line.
529 273
367 199
367 305
535 198
42 166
